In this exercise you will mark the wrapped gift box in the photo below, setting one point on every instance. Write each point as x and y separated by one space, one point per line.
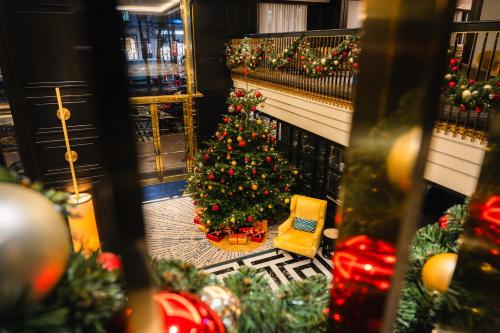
216 237
258 239
197 220
238 239
245 229
261 226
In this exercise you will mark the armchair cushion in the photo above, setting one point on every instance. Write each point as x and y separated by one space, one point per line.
302 224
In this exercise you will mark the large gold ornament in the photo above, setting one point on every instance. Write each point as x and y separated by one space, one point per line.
438 271
225 304
402 158
34 246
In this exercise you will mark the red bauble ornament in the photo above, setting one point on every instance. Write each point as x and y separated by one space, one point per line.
453 61
238 108
455 69
254 108
197 220
206 157
230 148
266 192
269 159
109 261
443 222
226 120
258 94
246 159
211 176
254 135
185 313
344 54
250 219
230 172
241 129
254 171
245 71
242 144
478 109
238 93
471 81
452 84
286 188
334 53
319 69
275 168
463 107
224 133
215 208
355 65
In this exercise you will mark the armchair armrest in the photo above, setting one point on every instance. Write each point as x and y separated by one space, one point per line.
285 226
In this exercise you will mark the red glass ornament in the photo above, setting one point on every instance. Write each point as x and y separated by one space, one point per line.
211 176
453 61
254 108
250 219
242 144
238 108
226 120
344 54
254 135
215 208
275 168
452 84
335 53
230 172
245 71
246 159
230 148
355 65
224 133
109 261
471 81
238 93
241 129
269 159
302 57
197 220
254 171
463 107
266 192
319 69
443 222
185 313
455 69
478 109
206 157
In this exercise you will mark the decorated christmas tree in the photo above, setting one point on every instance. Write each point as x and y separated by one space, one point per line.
241 178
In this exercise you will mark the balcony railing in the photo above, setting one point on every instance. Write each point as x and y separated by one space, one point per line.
474 44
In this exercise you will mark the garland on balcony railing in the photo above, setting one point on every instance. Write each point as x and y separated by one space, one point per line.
466 94
470 95
244 56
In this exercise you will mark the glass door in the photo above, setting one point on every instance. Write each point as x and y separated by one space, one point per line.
158 66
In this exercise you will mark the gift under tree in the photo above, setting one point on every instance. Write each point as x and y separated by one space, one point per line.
240 178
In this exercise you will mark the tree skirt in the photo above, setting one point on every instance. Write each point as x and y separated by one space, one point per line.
171 233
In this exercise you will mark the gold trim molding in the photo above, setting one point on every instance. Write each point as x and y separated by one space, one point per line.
295 92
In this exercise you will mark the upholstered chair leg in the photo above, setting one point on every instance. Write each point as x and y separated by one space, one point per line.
277 251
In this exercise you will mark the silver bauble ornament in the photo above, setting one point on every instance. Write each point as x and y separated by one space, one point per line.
448 77
466 95
225 304
34 246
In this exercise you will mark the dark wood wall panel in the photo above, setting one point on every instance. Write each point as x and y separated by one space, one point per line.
215 23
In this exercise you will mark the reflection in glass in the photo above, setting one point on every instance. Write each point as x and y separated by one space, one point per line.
155 51
9 154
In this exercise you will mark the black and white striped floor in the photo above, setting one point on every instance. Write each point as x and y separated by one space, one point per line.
171 233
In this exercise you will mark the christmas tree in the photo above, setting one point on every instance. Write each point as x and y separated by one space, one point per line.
240 178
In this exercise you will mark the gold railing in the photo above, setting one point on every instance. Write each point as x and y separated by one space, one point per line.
189 126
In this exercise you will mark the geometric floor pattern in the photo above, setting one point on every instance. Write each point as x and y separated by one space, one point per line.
171 233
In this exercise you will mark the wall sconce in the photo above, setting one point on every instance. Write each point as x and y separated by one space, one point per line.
82 221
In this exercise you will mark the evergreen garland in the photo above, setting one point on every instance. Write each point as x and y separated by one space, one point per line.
419 308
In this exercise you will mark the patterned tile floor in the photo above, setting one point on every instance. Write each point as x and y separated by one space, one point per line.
171 233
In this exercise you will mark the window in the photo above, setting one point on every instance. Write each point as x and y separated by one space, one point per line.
274 17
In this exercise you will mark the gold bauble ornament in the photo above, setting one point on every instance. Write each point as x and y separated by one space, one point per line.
252 163
254 187
208 222
210 187
466 95
270 206
438 271
259 122
402 157
287 201
233 163
232 219
34 246
240 188
229 141
263 176
239 138
225 304
222 170
217 133
296 172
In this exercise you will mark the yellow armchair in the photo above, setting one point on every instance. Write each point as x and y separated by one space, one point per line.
297 241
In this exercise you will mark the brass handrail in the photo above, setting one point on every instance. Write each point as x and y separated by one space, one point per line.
147 100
